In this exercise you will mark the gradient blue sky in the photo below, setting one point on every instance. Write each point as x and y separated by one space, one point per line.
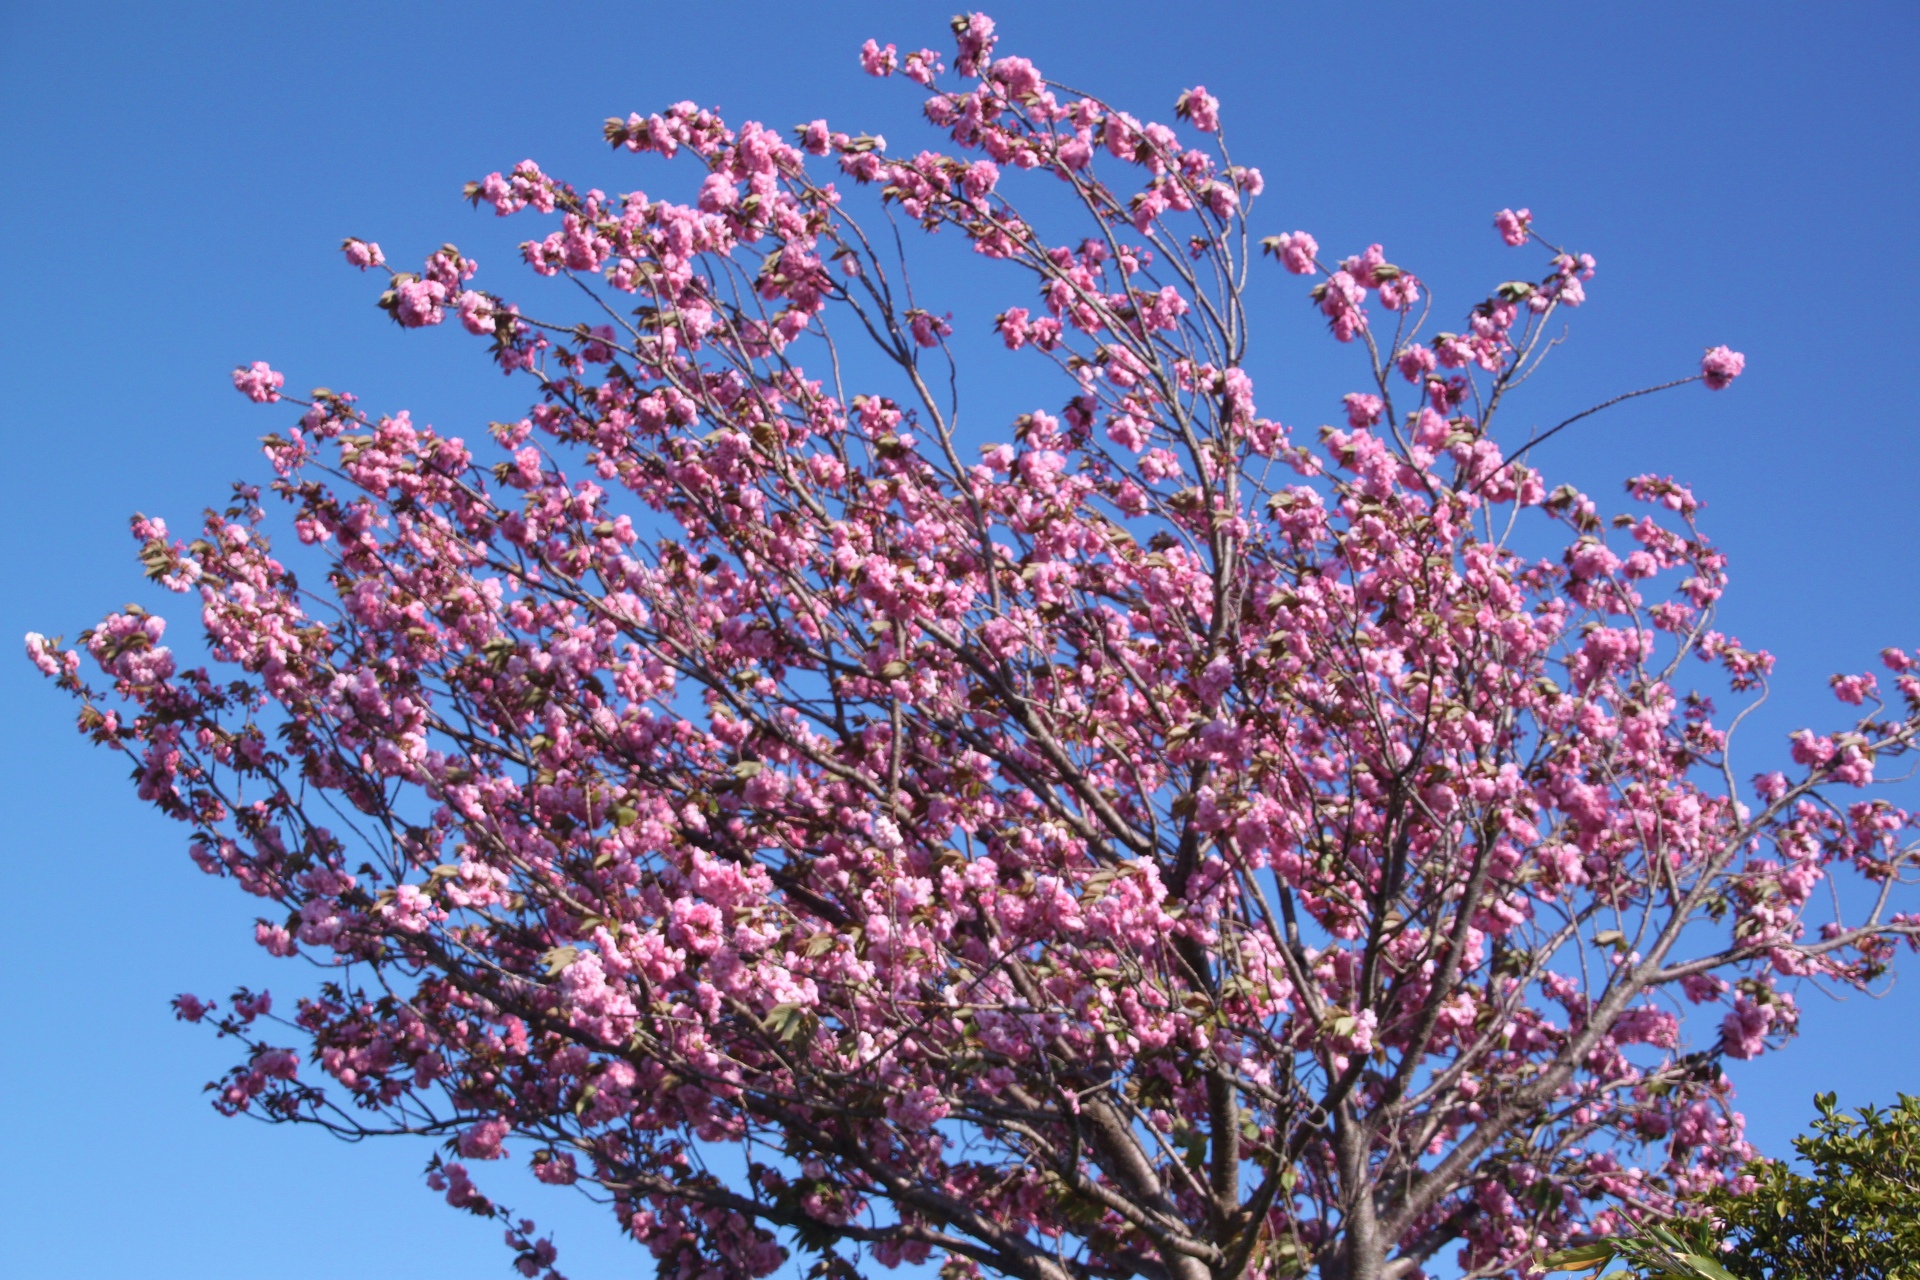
183 174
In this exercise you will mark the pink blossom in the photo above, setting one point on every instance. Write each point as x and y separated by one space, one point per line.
1221 198
1354 1032
1122 136
1720 366
476 312
1854 690
42 654
248 1006
717 193
928 329
1076 152
1201 108
1012 326
922 66
274 938
1297 251
1656 1027
1700 988
975 36
1744 1030
461 1193
1812 750
979 179
482 1141
258 383
1415 363
1148 206
419 302
1019 77
558 1170
1400 292
1514 227
1362 266
876 61
277 1064
362 253
919 1109
1340 301
1237 393
1363 410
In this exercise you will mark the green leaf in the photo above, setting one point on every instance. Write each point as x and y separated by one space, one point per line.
1708 1267
1586 1257
789 1023
1854 1213
1095 886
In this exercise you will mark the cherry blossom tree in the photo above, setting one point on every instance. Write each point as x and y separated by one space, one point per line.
1144 839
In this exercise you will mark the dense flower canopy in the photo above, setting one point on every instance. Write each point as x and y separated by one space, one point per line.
1149 843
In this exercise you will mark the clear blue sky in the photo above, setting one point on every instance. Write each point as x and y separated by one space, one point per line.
182 176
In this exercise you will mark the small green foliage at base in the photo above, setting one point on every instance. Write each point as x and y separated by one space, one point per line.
1855 1216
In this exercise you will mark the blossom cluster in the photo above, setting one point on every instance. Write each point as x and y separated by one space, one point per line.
1155 841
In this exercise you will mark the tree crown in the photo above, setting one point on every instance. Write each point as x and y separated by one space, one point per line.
1151 843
